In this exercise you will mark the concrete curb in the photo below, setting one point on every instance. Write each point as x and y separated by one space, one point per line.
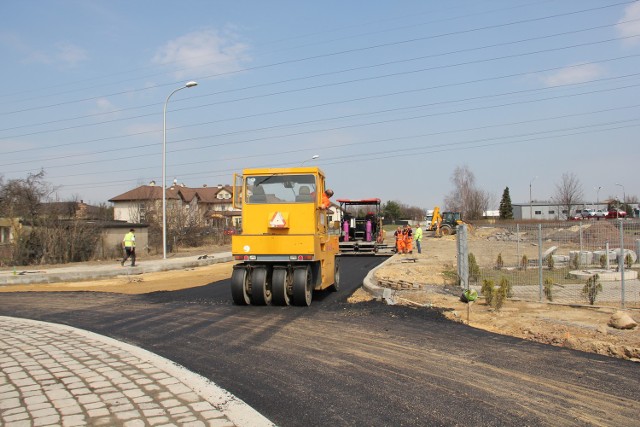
78 273
370 284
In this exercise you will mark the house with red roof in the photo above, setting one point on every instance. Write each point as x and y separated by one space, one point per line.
206 206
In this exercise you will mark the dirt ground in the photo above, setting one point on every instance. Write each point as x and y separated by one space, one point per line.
580 328
136 284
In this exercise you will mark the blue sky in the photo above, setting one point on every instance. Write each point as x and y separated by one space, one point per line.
392 96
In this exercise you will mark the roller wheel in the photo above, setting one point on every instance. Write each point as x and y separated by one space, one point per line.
240 286
302 290
336 278
260 289
279 282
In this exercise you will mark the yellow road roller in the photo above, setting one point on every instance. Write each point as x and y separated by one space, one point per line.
288 244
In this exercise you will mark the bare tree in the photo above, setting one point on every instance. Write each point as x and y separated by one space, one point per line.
465 198
569 192
24 197
50 233
477 204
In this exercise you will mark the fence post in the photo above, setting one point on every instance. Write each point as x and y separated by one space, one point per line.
517 245
540 262
621 261
463 256
580 254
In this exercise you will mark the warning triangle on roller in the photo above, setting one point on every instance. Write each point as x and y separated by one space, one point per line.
278 221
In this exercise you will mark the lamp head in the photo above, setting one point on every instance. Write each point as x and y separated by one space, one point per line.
191 84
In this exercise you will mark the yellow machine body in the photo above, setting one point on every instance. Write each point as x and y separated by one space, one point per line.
284 230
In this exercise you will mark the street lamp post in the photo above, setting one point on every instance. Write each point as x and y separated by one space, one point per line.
164 168
624 195
530 199
597 195
314 157
624 198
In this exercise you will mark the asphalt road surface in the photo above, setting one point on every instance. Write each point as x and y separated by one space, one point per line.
340 364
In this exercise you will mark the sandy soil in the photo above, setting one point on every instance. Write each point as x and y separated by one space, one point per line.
137 284
581 328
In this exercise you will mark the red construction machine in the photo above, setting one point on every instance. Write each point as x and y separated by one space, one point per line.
361 230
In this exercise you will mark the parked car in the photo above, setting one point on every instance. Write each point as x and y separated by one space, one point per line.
230 231
616 213
593 213
588 213
576 217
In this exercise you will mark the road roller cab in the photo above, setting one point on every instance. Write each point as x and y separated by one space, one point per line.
287 248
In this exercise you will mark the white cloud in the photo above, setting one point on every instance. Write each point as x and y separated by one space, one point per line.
204 52
105 108
63 54
68 54
574 74
630 28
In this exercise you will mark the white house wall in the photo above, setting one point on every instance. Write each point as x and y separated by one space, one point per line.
124 211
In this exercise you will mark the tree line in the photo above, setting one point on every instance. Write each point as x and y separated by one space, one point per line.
46 232
472 201
569 196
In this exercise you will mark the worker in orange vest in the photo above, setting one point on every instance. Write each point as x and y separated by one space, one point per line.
408 240
325 198
399 240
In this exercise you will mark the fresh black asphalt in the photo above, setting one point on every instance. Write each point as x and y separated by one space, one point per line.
337 363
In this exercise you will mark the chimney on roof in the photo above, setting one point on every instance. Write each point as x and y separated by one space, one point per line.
219 186
204 185
175 181
152 183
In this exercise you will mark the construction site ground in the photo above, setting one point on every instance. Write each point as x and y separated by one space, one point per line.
582 328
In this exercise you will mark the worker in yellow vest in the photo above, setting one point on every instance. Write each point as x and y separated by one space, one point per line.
129 246
418 238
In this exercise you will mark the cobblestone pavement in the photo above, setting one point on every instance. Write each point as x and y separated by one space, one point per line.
56 375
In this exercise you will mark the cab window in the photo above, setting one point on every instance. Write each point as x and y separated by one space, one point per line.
276 189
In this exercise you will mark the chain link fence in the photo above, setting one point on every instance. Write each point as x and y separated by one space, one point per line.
582 262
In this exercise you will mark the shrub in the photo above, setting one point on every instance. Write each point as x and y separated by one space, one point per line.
499 262
592 288
525 262
474 268
628 261
496 296
487 290
498 299
603 261
505 284
574 263
548 289
550 262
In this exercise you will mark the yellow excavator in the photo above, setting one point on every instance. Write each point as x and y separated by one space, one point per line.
445 223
